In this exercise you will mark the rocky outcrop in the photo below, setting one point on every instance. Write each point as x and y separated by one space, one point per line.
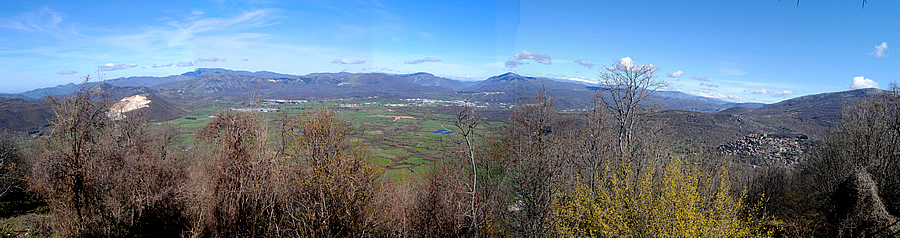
128 104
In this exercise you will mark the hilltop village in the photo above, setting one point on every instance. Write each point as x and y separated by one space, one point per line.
762 149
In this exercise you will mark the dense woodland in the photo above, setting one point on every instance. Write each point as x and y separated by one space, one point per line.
605 173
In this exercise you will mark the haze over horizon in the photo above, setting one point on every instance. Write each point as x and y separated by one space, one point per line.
755 51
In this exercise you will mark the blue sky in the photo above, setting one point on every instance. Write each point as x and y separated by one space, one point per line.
751 50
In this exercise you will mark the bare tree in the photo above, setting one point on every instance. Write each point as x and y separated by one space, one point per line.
595 142
628 85
535 166
466 121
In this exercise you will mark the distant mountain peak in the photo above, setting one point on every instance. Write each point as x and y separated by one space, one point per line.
507 77
421 73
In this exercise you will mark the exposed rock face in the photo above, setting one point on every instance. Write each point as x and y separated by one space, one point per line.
859 210
128 104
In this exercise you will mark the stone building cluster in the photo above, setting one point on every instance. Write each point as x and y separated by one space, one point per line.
762 149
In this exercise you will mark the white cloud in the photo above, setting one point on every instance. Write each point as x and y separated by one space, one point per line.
185 64
584 63
525 55
586 80
879 50
419 61
700 78
862 82
66 72
625 63
676 74
111 66
628 63
346 61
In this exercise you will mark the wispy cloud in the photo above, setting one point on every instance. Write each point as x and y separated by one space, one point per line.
584 63
213 59
347 61
180 35
248 19
728 68
676 74
720 96
45 19
700 78
111 66
879 50
161 66
862 82
709 85
763 84
516 60
66 72
773 93
185 64
419 61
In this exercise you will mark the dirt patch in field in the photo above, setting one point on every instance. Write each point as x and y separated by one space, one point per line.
395 117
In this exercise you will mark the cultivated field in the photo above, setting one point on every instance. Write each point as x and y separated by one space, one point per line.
403 136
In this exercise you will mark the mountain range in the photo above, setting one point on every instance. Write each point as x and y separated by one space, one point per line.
217 82
714 120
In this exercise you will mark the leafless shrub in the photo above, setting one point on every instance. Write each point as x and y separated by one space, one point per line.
102 177
12 167
330 187
230 190
396 205
442 202
321 185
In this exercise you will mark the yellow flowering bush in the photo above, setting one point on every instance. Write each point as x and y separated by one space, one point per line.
670 200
